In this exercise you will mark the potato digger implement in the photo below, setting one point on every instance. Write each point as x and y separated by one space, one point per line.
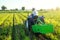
40 28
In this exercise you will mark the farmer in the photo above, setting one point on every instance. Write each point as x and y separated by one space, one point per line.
34 12
32 18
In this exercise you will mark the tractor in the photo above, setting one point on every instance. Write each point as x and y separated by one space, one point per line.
37 27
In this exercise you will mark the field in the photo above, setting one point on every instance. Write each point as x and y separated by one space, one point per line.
12 25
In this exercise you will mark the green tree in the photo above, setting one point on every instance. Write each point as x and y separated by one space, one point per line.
41 9
3 7
23 8
16 8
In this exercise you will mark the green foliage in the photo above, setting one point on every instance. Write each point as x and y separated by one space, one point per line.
23 8
8 32
3 7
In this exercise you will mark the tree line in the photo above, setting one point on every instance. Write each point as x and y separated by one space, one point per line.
4 8
23 8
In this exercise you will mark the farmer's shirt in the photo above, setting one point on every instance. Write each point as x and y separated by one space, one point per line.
35 13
